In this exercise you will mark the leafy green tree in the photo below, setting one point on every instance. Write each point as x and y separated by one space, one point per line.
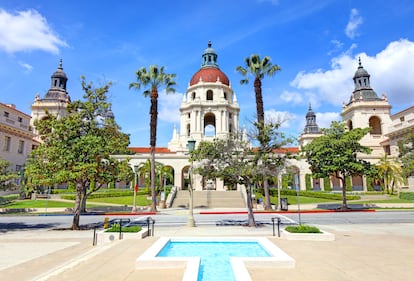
406 154
234 161
390 173
6 175
155 78
259 68
230 159
77 148
335 153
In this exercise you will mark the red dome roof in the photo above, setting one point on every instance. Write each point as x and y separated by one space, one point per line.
209 74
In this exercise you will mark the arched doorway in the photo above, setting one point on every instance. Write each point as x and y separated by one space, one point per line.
209 125
185 178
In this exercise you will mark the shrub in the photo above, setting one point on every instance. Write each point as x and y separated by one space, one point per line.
133 229
308 181
327 184
407 195
302 229
6 199
314 194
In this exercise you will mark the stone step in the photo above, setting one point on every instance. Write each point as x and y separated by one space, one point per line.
209 199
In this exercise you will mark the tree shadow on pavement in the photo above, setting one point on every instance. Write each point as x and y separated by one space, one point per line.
6 227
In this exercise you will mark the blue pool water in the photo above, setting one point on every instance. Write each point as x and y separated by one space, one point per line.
214 256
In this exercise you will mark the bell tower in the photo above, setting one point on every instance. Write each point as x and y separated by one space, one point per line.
311 129
55 100
365 109
209 108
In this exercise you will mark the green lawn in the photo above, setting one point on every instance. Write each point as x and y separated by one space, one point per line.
123 200
142 201
43 203
39 203
303 200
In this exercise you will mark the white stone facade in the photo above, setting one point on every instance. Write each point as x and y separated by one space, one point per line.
210 110
16 136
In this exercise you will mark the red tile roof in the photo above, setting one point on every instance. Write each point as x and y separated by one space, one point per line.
147 150
283 150
209 74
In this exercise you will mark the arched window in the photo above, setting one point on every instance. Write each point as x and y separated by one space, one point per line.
375 125
209 95
188 130
349 124
193 96
225 95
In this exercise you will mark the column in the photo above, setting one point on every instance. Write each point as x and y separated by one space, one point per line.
177 178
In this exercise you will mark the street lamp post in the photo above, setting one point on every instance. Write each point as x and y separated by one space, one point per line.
297 187
191 223
134 207
165 191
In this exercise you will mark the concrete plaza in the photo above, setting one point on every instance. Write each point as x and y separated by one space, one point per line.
359 252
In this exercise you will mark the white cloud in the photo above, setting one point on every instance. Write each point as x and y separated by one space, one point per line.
291 97
27 67
27 31
282 117
391 72
355 20
337 46
325 119
332 86
169 107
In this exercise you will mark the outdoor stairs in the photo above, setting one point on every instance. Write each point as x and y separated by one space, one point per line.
209 199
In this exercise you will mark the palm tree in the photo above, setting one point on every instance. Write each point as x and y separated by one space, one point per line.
259 69
391 173
155 78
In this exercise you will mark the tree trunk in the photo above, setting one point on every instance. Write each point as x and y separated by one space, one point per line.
153 141
344 204
267 205
279 185
83 201
153 179
261 121
259 101
77 211
250 214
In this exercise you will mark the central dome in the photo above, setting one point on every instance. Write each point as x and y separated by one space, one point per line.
209 74
209 71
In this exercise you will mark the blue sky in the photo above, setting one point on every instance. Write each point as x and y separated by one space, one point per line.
316 43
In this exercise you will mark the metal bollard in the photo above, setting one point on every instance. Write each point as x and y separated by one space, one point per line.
148 225
152 231
95 238
120 229
278 226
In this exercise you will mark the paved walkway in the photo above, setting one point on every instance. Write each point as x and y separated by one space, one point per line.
360 252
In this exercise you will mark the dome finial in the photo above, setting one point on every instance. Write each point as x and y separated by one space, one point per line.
209 44
60 63
359 62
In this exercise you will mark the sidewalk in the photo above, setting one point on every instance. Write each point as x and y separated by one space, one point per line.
359 253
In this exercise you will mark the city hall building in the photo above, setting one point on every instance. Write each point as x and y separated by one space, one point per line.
209 110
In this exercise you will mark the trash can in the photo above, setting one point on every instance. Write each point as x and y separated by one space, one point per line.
284 204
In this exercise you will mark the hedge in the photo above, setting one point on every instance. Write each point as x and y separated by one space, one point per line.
105 194
407 195
8 198
314 194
